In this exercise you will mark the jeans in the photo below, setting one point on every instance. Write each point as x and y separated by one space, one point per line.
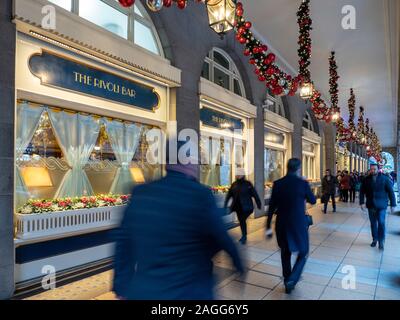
330 196
377 218
294 274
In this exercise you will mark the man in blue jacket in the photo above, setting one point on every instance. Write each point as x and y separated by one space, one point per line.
167 239
288 199
378 190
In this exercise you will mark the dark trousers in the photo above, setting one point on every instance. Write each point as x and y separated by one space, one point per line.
289 273
352 195
330 196
377 219
340 194
345 195
243 227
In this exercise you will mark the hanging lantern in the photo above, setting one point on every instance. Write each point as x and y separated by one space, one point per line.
221 15
306 90
335 116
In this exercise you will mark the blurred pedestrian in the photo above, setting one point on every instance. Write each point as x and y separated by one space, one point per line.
378 190
353 184
329 183
242 193
288 198
167 238
345 185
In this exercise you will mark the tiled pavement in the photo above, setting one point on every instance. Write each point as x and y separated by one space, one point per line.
338 243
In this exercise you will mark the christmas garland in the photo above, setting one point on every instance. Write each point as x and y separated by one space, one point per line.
305 43
333 84
361 128
281 83
352 108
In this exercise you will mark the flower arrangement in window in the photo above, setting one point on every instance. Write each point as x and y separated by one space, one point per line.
219 189
63 204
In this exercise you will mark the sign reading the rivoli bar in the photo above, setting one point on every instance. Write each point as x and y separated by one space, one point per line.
57 71
212 118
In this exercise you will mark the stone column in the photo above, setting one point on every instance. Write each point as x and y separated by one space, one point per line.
7 110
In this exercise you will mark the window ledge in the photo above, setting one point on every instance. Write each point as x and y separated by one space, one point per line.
214 92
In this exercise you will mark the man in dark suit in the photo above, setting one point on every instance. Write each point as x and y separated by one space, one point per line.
167 239
288 199
242 193
378 190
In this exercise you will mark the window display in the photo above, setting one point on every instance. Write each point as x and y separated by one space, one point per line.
273 165
62 153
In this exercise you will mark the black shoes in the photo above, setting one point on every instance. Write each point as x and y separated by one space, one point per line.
373 244
243 240
289 286
381 246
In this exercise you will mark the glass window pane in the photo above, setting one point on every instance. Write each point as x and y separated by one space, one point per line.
104 16
221 60
273 165
66 4
144 37
236 87
221 78
205 72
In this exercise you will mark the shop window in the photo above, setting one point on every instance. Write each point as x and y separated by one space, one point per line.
60 153
216 161
273 165
66 4
133 24
307 122
219 68
275 104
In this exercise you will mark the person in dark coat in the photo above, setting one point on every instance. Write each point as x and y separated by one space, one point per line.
353 185
242 193
288 199
345 185
167 239
379 191
329 183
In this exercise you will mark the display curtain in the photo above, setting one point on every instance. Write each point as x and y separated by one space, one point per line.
76 134
124 139
226 164
28 118
211 154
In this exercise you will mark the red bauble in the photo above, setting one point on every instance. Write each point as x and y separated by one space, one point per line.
264 48
247 24
270 71
261 78
167 3
257 71
271 57
241 30
246 52
256 50
242 40
239 12
252 61
239 5
181 4
126 3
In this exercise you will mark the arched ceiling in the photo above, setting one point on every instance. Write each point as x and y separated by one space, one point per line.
368 57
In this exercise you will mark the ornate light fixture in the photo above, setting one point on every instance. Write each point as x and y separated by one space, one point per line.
306 90
221 15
